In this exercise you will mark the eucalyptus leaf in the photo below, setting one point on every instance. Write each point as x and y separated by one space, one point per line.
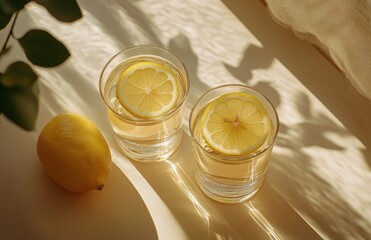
11 6
4 19
65 11
20 105
18 74
42 49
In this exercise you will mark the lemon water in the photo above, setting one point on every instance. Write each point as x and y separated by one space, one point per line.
224 177
145 139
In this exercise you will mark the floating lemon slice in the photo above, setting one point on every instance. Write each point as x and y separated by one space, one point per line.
235 124
148 89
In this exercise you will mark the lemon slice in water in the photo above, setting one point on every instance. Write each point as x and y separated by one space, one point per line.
235 124
148 89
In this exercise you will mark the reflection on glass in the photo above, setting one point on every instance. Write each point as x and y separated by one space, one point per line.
217 227
130 82
238 118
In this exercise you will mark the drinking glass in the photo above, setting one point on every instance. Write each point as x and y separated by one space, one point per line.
223 177
144 139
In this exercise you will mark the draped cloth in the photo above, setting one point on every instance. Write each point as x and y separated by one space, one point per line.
341 28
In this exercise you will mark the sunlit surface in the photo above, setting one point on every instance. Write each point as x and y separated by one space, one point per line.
262 221
179 180
320 165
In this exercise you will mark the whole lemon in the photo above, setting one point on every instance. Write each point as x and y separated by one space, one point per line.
74 153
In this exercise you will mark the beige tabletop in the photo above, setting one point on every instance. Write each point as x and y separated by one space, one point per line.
317 184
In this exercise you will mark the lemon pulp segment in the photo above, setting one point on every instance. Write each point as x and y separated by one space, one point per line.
148 89
235 124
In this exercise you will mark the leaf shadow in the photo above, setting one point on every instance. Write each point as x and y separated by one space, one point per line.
311 68
109 21
255 57
181 46
319 187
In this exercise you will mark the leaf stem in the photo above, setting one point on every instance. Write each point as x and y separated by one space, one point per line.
9 34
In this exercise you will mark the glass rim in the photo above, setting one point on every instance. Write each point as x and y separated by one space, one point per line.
144 120
235 158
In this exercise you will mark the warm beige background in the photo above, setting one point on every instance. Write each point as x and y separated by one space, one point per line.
318 182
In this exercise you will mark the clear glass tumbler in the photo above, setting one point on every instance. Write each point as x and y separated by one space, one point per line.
144 139
223 177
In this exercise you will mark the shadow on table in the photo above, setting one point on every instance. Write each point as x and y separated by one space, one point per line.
266 216
109 20
34 207
310 67
173 180
315 183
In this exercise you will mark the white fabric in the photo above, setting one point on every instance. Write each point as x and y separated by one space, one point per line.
341 27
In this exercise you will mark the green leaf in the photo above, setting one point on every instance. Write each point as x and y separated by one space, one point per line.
12 6
20 105
42 49
4 19
65 11
18 74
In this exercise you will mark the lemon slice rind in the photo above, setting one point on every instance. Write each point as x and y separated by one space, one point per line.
235 124
145 85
